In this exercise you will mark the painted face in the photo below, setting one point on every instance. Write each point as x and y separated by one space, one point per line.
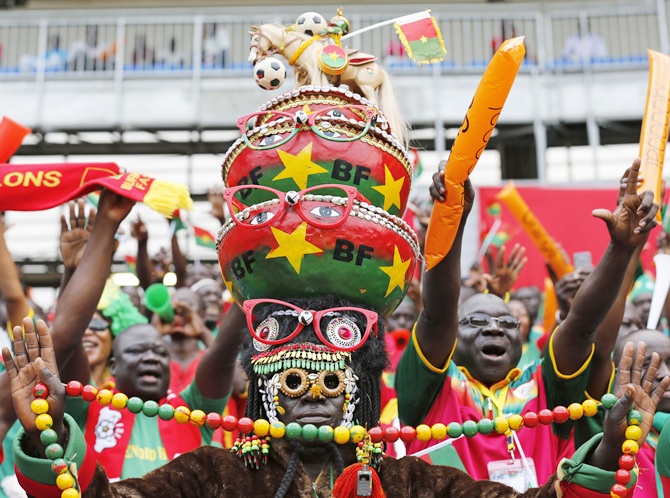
97 340
141 363
489 340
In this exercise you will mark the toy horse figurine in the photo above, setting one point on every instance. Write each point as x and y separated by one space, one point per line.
363 75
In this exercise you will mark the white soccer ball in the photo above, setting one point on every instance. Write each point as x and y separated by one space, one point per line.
270 73
311 23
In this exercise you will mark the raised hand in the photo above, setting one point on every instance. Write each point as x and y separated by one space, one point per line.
138 230
623 183
114 207
438 189
34 362
215 198
634 389
505 274
75 234
633 218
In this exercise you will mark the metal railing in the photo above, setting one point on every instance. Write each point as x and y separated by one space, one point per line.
119 44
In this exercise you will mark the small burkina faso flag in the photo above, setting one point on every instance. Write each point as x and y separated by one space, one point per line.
204 238
420 35
131 263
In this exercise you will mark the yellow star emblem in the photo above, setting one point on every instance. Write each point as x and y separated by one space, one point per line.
227 283
299 167
396 272
391 189
333 56
292 246
424 39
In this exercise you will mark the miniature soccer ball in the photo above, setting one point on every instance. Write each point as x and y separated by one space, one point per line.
311 23
270 73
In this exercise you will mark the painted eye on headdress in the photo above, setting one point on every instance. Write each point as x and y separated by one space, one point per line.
267 330
293 382
331 134
342 331
325 212
259 218
270 139
335 113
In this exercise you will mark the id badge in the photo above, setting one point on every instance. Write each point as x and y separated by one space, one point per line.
514 474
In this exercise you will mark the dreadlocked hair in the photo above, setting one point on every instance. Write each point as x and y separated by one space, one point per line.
254 408
368 362
287 480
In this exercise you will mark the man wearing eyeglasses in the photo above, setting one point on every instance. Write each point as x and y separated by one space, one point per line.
475 380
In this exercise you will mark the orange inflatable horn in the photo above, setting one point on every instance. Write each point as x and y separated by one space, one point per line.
510 196
654 134
11 136
474 134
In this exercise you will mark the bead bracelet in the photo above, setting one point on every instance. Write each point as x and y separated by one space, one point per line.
66 479
255 444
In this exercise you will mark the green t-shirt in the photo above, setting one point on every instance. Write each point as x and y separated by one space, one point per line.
145 450
418 383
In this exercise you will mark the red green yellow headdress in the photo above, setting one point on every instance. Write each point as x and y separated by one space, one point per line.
318 135
315 185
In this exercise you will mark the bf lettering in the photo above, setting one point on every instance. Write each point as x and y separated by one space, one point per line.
254 175
342 172
243 265
346 251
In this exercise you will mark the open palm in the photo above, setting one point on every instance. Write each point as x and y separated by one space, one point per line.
33 362
75 235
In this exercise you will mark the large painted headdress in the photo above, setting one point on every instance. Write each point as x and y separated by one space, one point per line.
316 185
316 247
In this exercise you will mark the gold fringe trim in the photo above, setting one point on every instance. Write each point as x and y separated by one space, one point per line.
166 197
408 48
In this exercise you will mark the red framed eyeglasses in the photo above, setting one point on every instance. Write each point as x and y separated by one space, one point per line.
323 206
269 129
343 329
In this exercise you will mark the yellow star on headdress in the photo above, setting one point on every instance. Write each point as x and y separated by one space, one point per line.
396 272
391 189
227 283
299 167
292 246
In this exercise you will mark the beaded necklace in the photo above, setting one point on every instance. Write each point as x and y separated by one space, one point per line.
255 447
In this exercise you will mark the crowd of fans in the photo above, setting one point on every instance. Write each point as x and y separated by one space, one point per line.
479 351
